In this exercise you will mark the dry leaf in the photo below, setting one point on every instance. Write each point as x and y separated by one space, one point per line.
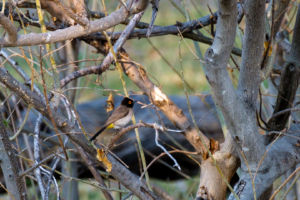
266 44
214 146
230 70
110 103
102 158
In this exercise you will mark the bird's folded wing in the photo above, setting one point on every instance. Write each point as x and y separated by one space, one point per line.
117 114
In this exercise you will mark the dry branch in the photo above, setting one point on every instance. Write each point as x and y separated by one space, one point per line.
94 171
288 85
64 125
10 166
216 59
10 28
76 31
284 153
166 105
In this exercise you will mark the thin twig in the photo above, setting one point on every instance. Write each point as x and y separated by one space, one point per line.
160 146
37 171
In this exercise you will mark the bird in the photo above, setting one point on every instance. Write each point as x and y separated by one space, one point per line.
119 117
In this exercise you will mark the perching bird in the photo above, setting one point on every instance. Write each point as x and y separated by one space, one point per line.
119 118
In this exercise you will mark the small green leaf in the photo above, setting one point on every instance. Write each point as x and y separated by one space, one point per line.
6 123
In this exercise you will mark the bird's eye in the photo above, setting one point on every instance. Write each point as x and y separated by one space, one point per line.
129 102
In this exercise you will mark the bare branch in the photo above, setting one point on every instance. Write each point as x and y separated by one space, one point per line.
79 7
10 166
94 171
184 28
155 6
118 171
284 153
36 148
55 11
165 104
10 28
211 183
249 80
77 31
104 48
83 21
277 16
20 71
289 83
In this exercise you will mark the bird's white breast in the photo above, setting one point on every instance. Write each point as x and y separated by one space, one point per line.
122 122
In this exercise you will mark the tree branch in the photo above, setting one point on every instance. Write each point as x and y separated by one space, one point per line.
166 105
289 83
184 28
284 154
64 125
216 59
10 166
279 12
10 28
55 11
249 80
211 183
83 21
76 31
94 171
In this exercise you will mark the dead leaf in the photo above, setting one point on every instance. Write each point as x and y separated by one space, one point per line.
102 158
110 103
230 70
214 146
266 44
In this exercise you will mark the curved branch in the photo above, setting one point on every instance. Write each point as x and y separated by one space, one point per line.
10 28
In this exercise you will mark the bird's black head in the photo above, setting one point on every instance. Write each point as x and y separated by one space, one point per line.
127 102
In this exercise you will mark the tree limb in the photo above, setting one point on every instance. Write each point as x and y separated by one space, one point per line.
211 183
94 171
289 83
76 31
10 166
10 28
284 154
216 59
83 21
64 125
279 12
249 80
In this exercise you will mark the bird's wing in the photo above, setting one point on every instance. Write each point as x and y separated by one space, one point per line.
117 114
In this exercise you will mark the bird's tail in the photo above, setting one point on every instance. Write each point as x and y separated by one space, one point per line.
98 133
